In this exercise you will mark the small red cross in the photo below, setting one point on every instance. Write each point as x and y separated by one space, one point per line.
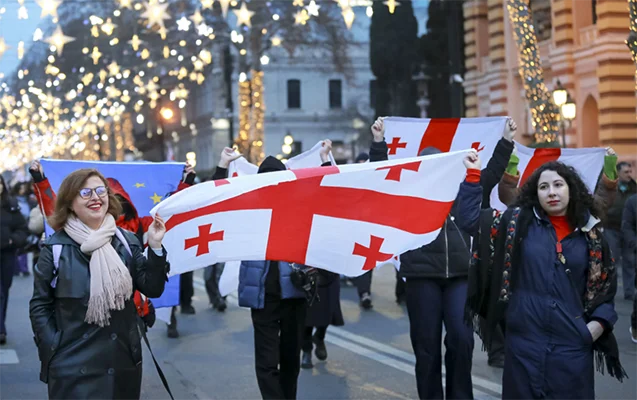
372 253
221 182
395 172
235 174
476 146
203 240
395 145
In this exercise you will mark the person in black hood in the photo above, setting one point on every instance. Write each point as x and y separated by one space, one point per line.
13 235
436 286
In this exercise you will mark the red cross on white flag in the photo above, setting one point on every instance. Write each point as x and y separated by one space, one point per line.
345 219
406 137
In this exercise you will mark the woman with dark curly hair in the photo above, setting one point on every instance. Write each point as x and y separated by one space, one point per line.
543 271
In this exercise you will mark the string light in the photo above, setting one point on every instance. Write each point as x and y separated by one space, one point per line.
544 113
258 117
244 114
631 42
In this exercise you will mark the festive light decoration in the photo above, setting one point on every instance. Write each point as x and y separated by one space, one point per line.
135 42
183 24
348 17
225 4
276 41
197 18
298 3
301 17
59 39
156 14
632 36
49 7
242 141
257 118
96 55
391 5
125 4
3 46
38 35
544 112
244 15
313 9
108 27
23 13
207 4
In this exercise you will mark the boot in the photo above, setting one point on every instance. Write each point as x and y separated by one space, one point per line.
3 338
187 309
366 301
221 305
172 332
320 351
306 360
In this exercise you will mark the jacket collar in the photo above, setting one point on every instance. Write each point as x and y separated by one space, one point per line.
540 215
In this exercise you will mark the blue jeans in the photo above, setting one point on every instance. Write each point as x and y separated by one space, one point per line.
430 302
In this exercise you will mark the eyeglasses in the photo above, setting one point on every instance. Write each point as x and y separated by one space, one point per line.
87 193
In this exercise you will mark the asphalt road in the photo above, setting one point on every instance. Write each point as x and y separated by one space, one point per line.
369 358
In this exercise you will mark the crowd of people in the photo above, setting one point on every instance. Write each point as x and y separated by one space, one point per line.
537 282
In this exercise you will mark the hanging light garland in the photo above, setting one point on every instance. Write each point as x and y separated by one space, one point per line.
632 36
544 113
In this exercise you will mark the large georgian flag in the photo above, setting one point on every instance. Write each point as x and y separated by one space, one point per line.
345 219
406 137
587 162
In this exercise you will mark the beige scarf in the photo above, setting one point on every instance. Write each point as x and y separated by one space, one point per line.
111 282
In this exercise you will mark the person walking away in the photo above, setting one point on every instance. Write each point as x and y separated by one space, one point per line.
629 230
544 270
212 274
13 235
626 187
21 195
82 312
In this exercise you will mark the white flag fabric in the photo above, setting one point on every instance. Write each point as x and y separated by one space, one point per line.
345 219
406 137
587 162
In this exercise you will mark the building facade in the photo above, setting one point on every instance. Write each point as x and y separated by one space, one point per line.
581 44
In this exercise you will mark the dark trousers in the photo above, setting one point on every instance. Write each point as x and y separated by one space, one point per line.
278 333
400 289
364 283
7 267
211 276
307 336
186 289
430 302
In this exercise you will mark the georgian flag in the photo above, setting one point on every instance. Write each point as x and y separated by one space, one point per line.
587 162
406 137
345 219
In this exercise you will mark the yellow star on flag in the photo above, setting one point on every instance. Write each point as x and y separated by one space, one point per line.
155 198
140 185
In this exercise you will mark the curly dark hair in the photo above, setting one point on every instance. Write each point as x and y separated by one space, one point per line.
581 201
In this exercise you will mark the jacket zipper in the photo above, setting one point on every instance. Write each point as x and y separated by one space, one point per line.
446 251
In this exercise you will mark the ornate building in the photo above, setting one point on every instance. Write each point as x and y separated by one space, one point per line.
582 44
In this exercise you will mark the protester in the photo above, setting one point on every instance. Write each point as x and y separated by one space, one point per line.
625 188
326 309
128 220
278 309
629 231
82 311
212 274
544 269
21 194
13 234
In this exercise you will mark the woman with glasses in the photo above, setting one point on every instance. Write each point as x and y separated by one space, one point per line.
82 311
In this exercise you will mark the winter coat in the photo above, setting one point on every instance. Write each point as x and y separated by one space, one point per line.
614 213
448 255
13 227
517 278
252 283
81 360
629 232
327 309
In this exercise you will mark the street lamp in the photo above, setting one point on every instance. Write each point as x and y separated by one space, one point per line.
568 110
167 114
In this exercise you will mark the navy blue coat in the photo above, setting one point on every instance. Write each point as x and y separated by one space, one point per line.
549 350
252 283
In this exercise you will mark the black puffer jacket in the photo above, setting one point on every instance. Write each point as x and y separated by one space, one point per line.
13 226
449 254
81 360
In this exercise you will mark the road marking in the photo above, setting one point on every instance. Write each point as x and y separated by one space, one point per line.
374 350
8 356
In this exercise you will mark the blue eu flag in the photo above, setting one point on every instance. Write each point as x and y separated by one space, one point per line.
145 183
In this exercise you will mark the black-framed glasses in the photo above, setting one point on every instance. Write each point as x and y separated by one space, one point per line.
87 193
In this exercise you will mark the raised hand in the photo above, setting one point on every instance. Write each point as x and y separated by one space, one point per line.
189 169
228 155
378 130
472 160
156 232
510 129
610 151
326 147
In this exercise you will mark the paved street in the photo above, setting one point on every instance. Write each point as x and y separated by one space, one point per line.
369 358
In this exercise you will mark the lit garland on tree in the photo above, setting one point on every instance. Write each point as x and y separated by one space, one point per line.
544 112
242 142
258 116
632 36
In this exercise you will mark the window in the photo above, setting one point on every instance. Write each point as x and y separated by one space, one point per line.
336 93
372 94
294 93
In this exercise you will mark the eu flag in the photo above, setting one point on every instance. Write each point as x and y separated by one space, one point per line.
146 184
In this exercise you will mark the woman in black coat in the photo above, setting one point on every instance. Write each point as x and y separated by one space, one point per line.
323 312
13 235
82 311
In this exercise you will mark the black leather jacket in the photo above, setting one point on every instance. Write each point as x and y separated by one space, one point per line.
81 360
